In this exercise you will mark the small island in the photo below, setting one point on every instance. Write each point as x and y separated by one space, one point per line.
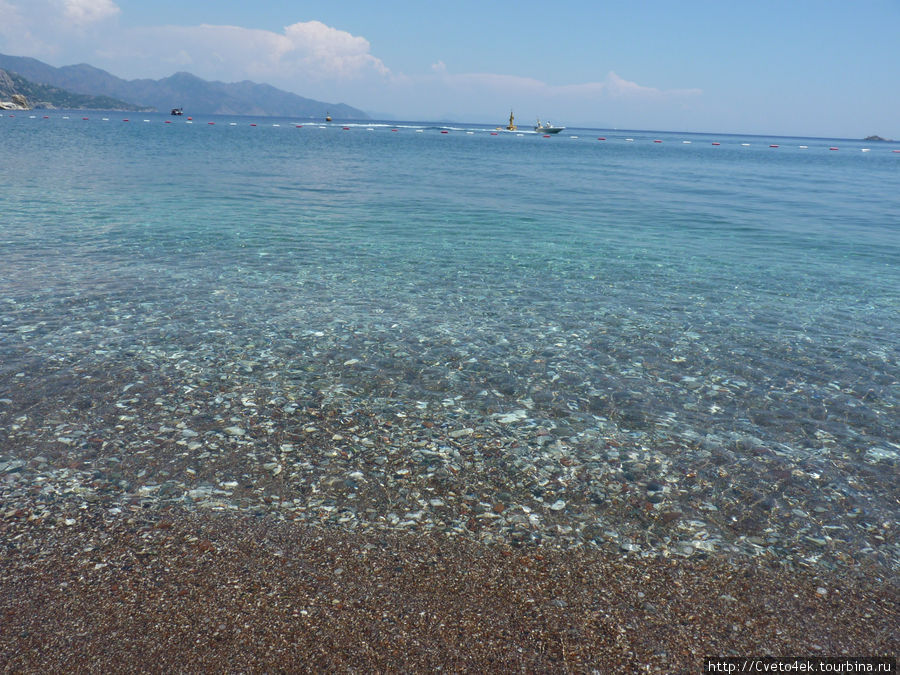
876 138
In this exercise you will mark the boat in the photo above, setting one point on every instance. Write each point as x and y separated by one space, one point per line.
327 117
177 111
547 127
512 123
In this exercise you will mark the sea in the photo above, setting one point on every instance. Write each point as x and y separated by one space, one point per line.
653 343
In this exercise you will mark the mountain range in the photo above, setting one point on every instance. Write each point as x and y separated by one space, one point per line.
33 95
181 90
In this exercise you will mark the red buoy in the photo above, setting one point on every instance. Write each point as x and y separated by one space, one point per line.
602 138
124 120
252 124
393 130
773 146
168 122
832 148
84 118
657 141
714 143
346 128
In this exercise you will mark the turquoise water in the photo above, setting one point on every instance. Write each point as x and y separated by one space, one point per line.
721 319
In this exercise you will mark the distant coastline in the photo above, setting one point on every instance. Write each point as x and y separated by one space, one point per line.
183 90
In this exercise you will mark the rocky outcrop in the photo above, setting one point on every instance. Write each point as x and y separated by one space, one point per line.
875 138
17 102
10 98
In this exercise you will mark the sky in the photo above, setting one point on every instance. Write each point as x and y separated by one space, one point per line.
827 68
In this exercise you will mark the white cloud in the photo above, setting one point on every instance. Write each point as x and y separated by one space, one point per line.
335 52
83 12
307 57
613 86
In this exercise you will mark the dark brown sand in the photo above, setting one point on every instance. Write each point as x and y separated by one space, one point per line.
180 592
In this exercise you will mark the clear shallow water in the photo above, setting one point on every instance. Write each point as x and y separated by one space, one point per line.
711 328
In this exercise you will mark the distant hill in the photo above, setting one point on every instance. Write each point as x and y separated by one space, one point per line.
13 85
181 90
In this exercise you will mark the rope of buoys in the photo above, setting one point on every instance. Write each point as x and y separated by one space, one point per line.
443 131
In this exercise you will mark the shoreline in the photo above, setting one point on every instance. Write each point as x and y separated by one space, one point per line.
177 591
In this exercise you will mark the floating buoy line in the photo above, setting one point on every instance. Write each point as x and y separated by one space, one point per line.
443 131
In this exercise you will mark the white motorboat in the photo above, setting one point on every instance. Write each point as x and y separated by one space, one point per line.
547 127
